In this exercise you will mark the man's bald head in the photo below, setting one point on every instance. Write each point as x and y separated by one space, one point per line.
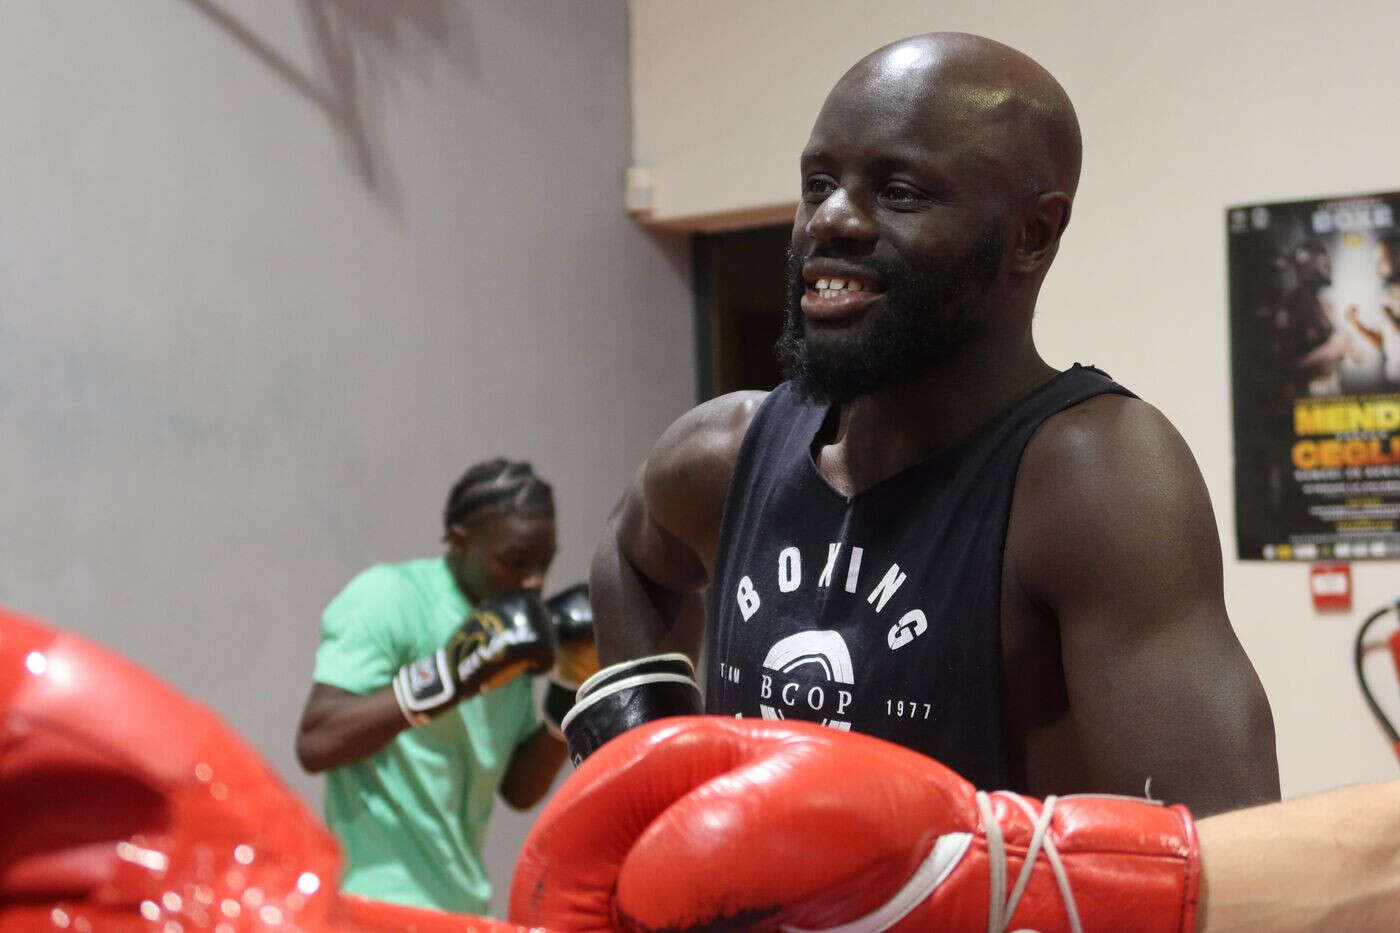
936 185
1013 111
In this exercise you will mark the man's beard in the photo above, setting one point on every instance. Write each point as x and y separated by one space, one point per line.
927 318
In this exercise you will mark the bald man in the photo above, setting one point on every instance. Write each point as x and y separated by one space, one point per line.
928 534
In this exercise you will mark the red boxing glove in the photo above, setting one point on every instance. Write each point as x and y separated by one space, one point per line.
128 807
709 822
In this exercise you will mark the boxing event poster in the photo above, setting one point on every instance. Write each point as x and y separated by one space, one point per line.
1315 353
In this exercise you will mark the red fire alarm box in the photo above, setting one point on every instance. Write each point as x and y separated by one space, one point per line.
1331 587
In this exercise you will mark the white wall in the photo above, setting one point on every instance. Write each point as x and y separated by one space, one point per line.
272 275
1186 108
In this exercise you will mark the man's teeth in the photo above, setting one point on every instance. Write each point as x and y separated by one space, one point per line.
830 288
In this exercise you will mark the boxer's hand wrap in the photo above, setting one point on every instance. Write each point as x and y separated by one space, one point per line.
717 823
576 656
501 638
626 695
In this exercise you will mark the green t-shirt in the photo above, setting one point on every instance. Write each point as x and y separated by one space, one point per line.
411 817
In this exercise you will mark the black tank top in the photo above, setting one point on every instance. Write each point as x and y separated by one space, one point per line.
880 613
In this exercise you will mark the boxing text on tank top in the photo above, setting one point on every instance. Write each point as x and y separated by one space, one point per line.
879 613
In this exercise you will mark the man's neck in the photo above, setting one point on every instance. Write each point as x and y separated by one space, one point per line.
876 436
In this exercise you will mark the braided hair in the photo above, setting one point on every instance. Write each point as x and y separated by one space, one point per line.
497 487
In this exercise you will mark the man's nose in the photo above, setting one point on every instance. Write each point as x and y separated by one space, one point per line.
839 217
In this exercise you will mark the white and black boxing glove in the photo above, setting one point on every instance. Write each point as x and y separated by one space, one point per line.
625 695
502 638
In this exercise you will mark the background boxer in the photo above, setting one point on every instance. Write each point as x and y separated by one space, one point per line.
928 534
410 805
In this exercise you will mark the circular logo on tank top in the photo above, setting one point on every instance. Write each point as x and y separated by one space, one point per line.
808 676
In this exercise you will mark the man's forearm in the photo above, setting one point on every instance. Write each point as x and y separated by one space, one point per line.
633 617
340 728
1324 864
532 768
648 639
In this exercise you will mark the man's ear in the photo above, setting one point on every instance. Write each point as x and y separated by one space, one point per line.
1040 235
455 537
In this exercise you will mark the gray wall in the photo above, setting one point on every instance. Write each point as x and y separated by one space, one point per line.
271 274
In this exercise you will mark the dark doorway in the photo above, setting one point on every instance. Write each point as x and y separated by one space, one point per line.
739 295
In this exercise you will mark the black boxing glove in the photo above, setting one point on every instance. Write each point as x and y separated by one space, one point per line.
575 656
626 695
502 638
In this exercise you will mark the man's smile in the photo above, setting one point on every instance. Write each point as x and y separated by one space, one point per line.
837 295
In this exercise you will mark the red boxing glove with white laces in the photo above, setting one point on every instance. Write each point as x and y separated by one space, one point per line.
709 822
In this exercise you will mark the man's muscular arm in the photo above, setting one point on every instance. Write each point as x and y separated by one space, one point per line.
1113 538
658 551
656 556
340 728
531 770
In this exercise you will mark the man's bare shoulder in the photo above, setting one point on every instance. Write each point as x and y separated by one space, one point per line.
1108 481
1105 442
681 488
702 445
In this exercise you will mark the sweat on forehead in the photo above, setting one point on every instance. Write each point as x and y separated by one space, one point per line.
984 83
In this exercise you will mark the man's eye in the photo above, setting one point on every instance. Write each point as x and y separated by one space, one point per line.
816 188
900 194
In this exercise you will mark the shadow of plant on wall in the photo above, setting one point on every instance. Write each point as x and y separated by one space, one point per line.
359 50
